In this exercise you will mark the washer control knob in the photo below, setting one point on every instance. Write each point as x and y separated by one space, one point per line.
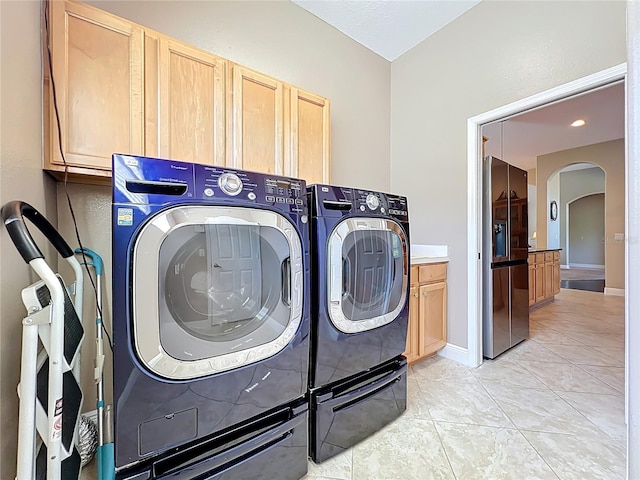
208 192
251 196
373 202
230 183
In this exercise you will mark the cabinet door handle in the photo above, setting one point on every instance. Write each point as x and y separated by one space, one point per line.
415 295
424 294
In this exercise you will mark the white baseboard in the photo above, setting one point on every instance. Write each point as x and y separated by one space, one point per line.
565 267
584 265
456 353
618 292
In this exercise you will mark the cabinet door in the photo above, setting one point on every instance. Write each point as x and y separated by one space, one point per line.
308 129
413 332
532 284
556 277
539 282
97 67
257 122
433 317
191 94
548 280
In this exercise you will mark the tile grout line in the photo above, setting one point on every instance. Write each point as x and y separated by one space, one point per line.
444 449
570 391
539 454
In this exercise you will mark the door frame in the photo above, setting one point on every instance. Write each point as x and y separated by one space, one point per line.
474 185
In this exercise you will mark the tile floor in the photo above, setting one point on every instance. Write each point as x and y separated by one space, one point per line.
552 407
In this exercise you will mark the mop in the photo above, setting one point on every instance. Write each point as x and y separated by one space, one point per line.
104 454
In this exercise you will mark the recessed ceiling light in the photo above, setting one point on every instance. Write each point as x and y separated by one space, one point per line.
578 123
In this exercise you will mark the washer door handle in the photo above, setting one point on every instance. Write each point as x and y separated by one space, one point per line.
285 273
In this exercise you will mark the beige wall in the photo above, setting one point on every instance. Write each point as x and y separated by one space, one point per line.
21 178
610 157
496 53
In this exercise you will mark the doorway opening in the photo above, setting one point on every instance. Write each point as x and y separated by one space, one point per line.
577 332
590 84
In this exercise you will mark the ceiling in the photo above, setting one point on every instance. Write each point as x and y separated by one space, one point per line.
548 130
388 27
392 27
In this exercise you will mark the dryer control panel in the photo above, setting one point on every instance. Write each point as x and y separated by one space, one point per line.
333 200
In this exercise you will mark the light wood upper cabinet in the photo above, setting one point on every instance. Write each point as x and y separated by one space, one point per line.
185 102
98 74
308 129
257 122
124 88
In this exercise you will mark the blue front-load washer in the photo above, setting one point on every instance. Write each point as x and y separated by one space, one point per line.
360 312
210 322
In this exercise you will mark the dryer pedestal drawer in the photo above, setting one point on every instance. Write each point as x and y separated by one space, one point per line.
351 411
245 453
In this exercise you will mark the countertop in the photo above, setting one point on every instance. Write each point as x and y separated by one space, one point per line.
418 260
421 254
539 250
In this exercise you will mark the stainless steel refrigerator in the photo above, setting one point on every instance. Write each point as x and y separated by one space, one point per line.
505 253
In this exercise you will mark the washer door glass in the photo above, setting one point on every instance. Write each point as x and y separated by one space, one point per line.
368 280
228 291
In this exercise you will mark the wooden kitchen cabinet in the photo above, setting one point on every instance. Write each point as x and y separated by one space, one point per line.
184 102
556 273
413 331
257 121
539 277
548 275
532 281
97 61
307 134
433 316
544 277
124 88
427 332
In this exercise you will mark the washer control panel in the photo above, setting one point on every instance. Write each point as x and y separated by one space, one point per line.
287 194
283 190
230 183
372 201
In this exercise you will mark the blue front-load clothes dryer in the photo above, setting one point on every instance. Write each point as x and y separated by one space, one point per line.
360 312
210 322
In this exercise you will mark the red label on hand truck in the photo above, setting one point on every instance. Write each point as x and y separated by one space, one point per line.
56 433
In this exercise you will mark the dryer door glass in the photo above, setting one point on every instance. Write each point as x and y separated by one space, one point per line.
368 280
228 287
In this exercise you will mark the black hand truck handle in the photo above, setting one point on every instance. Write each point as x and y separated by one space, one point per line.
13 215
